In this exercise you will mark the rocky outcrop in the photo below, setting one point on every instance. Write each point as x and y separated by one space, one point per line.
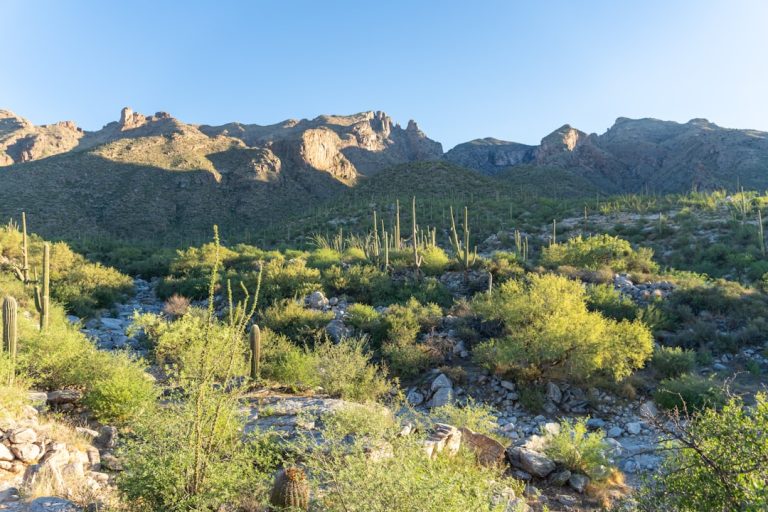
491 155
21 141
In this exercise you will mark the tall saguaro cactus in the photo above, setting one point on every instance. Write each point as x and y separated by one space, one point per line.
24 248
396 234
43 295
417 258
463 255
10 332
255 342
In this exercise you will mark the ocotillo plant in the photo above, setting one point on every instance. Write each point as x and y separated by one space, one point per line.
10 333
461 250
43 296
417 258
255 342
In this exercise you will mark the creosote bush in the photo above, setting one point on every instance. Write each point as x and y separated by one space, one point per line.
547 331
599 251
689 392
670 362
300 324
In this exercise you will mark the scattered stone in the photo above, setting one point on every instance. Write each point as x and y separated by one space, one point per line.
595 423
554 393
614 432
510 386
317 300
107 437
50 504
560 477
23 436
443 438
551 428
110 462
415 398
63 396
443 396
26 453
567 500
648 410
5 453
634 427
530 461
441 381
578 482
489 452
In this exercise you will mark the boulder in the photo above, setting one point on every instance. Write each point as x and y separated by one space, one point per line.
634 427
107 437
63 396
530 461
441 397
317 300
488 451
560 477
444 438
441 381
648 410
553 393
23 436
414 397
50 504
578 482
5 453
26 453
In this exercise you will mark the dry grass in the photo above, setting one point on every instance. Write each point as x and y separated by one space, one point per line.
176 306
609 491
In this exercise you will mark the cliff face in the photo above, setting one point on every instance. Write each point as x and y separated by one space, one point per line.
636 155
154 175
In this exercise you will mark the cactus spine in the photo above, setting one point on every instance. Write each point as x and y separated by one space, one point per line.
417 258
10 333
255 342
290 490
463 255
43 296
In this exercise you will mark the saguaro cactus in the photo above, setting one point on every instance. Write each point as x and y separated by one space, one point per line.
255 342
396 234
10 332
463 255
43 296
417 258
24 248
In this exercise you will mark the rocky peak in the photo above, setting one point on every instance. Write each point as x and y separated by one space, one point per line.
130 119
564 140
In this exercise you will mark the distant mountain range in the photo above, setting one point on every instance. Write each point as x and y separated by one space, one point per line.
153 175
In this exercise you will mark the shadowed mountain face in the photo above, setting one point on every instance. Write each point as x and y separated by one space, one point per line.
636 155
157 177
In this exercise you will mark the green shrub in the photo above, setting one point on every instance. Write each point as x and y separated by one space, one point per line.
178 344
363 317
408 360
323 258
720 465
549 332
123 392
435 260
475 416
579 451
343 369
365 420
354 255
599 251
406 481
689 392
673 361
300 324
403 323
605 299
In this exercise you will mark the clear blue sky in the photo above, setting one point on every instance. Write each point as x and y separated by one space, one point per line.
514 70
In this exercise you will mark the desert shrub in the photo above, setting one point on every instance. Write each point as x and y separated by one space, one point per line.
323 258
300 324
548 331
454 484
176 306
408 360
599 251
363 317
475 416
689 392
285 280
715 462
366 420
673 361
605 299
122 392
579 451
404 322
354 255
344 369
177 345
504 265
435 260
159 463
13 397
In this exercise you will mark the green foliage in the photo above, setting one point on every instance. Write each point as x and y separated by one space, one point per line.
549 332
406 481
300 324
121 393
434 260
605 299
366 420
323 258
475 416
178 344
401 326
579 451
343 369
672 362
717 462
363 317
689 392
597 252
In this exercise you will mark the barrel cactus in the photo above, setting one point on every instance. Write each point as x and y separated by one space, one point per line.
290 490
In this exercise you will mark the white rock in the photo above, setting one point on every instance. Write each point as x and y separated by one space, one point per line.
23 436
441 381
